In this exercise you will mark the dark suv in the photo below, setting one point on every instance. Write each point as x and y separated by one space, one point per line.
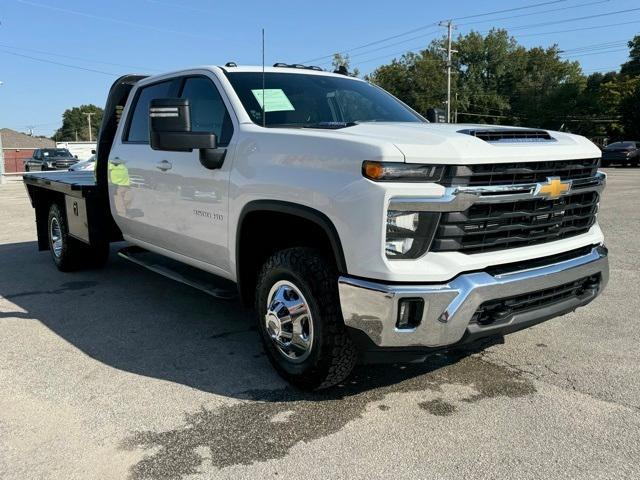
622 153
50 159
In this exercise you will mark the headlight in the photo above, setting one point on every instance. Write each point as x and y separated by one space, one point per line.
51 164
409 234
401 172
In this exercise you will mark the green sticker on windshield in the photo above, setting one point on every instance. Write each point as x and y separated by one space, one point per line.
274 99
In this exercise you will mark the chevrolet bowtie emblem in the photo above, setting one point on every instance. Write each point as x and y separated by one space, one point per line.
553 188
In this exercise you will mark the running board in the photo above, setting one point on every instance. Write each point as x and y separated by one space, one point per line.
194 277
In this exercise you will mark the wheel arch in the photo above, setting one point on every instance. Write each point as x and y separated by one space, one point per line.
301 216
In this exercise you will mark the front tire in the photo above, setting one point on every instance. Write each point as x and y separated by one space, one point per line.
300 321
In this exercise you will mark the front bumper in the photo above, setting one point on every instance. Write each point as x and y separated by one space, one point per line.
371 308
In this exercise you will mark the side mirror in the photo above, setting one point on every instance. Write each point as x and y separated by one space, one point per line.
170 130
75 156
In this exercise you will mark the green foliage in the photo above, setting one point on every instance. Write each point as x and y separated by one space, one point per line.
496 80
630 109
340 60
632 67
75 121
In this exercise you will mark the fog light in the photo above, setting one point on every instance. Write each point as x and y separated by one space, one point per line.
409 313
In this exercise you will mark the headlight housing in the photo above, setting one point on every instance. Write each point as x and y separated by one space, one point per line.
401 172
409 234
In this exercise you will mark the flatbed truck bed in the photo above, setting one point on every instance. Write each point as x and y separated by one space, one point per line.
85 209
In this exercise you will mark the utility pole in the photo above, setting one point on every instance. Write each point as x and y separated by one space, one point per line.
89 120
1 155
450 26
1 161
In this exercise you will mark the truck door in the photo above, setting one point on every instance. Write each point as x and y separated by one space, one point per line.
134 193
199 197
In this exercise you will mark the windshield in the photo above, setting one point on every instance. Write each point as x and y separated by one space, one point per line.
57 152
319 101
617 145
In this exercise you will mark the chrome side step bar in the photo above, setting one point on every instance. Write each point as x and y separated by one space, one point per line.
205 282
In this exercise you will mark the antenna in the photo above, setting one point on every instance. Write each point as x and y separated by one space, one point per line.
264 119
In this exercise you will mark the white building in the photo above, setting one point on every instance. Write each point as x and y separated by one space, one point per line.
82 150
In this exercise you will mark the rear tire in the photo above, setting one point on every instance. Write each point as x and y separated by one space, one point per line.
297 298
68 253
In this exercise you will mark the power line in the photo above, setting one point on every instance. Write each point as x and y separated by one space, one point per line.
596 46
423 27
58 63
391 45
545 12
110 19
74 58
597 53
535 5
567 20
595 27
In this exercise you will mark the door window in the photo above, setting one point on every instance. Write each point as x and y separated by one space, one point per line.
139 119
208 111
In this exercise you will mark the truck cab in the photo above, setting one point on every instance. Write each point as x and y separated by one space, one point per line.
351 226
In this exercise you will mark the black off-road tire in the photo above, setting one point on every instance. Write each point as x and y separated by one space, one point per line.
333 354
73 254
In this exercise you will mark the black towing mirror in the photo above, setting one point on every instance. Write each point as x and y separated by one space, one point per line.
170 130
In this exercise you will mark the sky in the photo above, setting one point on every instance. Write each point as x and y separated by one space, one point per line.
56 54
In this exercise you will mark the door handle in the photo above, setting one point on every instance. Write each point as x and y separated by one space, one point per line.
164 165
116 161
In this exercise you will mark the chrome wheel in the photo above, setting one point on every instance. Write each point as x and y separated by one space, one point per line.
56 237
288 321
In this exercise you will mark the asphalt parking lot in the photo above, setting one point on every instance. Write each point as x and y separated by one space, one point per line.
121 373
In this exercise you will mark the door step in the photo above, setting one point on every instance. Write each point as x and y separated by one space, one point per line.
194 277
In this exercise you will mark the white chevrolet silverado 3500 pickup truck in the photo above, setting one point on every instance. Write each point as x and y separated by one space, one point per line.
353 227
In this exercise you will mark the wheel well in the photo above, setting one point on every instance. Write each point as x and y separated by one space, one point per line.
42 199
263 232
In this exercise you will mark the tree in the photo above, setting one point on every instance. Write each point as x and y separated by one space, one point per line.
496 80
630 110
75 123
340 60
416 79
632 67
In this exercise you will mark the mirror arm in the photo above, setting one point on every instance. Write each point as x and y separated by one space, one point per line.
212 158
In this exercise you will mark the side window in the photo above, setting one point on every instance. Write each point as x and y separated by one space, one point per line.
36 154
139 119
208 112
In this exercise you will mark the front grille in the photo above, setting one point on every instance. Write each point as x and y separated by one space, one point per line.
498 226
515 173
500 310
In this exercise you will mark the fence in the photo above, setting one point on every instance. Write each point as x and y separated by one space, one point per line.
14 159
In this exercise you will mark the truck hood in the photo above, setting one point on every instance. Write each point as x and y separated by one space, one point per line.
444 143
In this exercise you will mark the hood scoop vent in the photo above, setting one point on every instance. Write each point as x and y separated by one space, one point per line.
504 135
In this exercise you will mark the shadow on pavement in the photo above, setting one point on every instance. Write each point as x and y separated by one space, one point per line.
139 322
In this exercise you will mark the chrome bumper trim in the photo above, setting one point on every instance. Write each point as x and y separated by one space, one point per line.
459 199
372 307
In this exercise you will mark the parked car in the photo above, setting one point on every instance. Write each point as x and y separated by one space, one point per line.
50 159
621 153
352 227
87 165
